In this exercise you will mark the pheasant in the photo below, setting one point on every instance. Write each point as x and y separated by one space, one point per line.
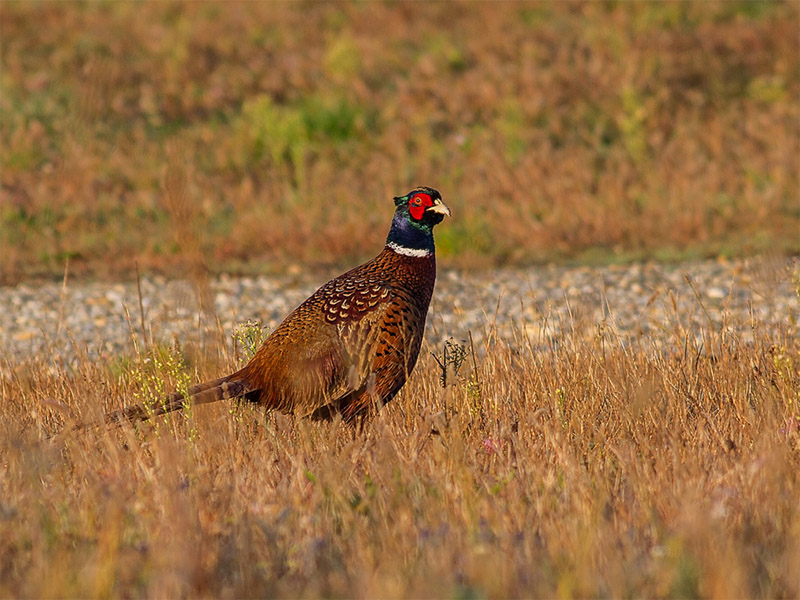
349 348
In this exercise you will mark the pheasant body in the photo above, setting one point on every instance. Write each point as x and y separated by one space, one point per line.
351 345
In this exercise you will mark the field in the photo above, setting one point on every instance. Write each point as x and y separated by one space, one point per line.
243 137
589 468
190 139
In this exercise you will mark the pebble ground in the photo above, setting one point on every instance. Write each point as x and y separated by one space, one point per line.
637 303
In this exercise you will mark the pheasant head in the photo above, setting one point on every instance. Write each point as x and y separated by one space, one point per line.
415 216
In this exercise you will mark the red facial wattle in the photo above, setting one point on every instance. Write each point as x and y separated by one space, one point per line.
417 205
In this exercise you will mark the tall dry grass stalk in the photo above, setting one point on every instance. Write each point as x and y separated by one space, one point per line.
581 466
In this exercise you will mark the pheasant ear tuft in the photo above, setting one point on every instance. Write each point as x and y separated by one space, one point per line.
398 200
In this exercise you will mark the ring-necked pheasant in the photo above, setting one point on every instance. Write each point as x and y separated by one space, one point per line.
352 344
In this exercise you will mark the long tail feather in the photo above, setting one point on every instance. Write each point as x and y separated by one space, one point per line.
204 393
224 388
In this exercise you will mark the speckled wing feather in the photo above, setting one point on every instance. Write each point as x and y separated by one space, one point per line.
386 339
393 357
323 350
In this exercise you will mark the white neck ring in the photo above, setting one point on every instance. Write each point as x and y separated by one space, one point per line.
415 252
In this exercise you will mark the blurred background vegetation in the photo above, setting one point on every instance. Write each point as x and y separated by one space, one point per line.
253 136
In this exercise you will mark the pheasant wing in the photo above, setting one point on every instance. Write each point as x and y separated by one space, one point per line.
355 308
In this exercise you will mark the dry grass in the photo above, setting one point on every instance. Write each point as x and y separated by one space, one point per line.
553 129
199 136
583 467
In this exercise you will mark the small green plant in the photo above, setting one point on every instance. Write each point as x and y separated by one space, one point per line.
342 60
453 356
276 132
247 337
632 123
150 374
330 120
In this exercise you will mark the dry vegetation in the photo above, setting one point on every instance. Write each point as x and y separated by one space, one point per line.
241 136
553 130
580 467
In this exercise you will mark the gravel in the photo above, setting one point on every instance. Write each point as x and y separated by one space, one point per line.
640 303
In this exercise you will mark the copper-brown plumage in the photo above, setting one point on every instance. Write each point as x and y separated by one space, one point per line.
351 345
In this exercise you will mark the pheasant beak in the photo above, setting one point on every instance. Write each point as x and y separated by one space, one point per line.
440 208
